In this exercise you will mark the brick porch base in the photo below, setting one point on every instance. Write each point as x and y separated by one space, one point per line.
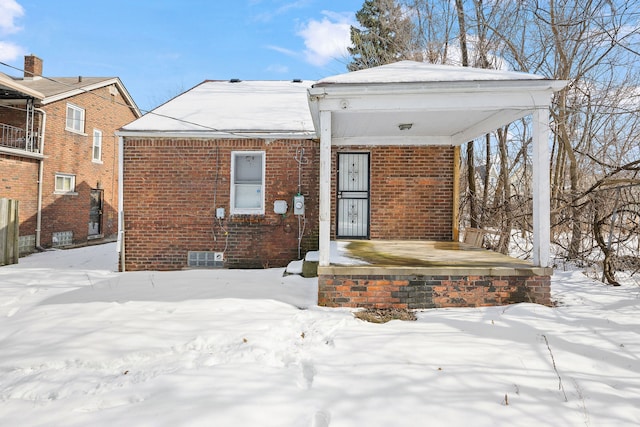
431 291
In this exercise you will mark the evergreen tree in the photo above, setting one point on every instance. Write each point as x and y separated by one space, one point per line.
383 36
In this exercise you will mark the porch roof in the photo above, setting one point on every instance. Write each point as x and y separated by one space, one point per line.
413 103
11 90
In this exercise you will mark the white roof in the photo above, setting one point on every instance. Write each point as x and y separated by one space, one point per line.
272 109
421 72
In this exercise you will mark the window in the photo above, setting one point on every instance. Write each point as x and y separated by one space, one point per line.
75 118
65 184
247 182
97 146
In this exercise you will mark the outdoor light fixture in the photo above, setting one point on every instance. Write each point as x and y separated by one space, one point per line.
405 126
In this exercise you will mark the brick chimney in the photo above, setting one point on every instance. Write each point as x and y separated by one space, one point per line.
32 66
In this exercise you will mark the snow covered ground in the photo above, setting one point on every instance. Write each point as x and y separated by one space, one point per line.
82 345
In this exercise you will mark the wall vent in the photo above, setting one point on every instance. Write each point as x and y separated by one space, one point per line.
205 259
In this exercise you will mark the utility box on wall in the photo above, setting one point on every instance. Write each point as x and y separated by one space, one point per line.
298 205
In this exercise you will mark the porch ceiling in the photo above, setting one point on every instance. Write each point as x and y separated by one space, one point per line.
426 127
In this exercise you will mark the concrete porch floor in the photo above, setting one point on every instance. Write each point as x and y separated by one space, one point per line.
426 274
401 257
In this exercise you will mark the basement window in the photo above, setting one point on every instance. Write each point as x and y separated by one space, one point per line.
247 182
65 184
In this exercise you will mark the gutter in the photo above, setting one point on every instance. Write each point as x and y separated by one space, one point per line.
40 178
229 134
120 241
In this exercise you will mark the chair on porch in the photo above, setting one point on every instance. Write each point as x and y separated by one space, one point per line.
474 236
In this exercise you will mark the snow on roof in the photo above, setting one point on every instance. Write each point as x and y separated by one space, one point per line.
420 72
245 107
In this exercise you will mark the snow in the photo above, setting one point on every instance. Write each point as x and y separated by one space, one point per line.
83 345
338 254
224 106
420 72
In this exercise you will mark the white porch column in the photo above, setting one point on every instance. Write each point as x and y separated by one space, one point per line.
541 188
325 189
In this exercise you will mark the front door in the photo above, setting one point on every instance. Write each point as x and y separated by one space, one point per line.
353 196
95 213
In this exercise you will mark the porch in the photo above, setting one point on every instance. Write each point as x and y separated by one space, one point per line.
412 274
19 130
405 105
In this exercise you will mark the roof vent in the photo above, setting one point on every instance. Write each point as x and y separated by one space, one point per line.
297 80
235 81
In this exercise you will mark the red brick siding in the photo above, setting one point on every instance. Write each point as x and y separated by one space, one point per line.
411 191
71 153
172 188
418 292
19 181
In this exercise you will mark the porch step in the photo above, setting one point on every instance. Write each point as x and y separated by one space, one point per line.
306 268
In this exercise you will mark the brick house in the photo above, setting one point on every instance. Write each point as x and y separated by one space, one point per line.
58 154
211 178
178 176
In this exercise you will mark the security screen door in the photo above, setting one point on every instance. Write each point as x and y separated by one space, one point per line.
353 196
95 213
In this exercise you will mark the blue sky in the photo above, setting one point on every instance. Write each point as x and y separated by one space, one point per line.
161 48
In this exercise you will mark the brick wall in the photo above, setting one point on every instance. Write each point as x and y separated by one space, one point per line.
19 181
71 153
411 191
418 292
172 188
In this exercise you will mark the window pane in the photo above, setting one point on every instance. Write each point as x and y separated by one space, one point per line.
248 168
70 120
97 144
59 182
248 196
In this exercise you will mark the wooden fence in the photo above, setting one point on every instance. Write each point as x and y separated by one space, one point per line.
9 232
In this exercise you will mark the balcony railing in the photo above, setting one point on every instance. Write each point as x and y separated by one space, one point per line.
17 138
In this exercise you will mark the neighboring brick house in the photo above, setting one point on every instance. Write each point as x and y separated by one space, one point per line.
58 155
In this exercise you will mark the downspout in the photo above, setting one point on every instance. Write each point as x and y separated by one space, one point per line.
40 178
120 243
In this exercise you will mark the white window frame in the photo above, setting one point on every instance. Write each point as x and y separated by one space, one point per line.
97 145
77 123
247 211
65 177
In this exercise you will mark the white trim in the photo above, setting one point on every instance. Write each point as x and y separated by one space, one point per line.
114 81
541 188
324 231
14 85
247 211
20 153
120 242
228 134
